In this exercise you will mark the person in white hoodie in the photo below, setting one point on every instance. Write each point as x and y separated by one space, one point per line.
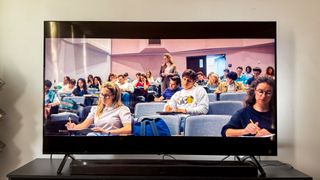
191 99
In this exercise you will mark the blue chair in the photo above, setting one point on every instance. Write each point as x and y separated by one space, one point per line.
78 99
83 114
212 97
150 108
93 90
205 125
224 107
172 121
63 95
238 96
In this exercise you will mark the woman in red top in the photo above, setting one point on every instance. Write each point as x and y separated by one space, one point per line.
143 85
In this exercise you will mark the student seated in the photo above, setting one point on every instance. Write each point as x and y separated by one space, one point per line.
213 82
141 88
191 99
110 116
81 88
201 80
174 86
51 100
96 82
256 73
257 117
230 85
69 88
126 89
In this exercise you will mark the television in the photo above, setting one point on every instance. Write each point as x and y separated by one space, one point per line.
79 48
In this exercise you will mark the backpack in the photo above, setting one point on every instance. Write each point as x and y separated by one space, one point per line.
151 127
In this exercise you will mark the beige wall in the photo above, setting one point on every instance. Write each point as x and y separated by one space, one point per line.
21 64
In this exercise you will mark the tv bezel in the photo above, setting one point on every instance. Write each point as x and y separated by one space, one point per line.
161 145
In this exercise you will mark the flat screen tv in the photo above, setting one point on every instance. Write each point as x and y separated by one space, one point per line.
78 49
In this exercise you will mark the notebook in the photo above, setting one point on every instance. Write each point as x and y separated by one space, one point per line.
167 113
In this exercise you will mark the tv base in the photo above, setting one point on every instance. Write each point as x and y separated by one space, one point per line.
142 167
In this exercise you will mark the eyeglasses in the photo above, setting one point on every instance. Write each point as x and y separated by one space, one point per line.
261 92
105 95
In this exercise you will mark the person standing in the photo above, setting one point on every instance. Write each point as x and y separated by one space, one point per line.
167 70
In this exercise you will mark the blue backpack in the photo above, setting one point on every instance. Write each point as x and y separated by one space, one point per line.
151 127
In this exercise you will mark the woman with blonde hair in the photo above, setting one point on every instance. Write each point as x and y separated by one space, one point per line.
150 77
213 82
110 116
167 70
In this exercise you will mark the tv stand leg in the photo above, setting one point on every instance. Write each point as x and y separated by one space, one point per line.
63 162
261 170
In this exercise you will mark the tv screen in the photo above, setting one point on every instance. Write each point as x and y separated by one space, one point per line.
205 88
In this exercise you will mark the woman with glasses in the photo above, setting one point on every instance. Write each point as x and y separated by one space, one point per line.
110 116
257 117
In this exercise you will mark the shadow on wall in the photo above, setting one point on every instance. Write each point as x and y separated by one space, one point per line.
12 124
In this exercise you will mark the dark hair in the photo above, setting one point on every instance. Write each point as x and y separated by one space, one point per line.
267 71
89 78
240 67
67 77
251 99
48 83
84 84
250 69
190 74
143 75
176 79
226 70
99 79
120 75
232 75
138 74
257 69
126 74
200 73
111 75
72 81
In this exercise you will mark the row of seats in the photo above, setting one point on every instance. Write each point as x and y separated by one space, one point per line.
151 108
228 105
212 97
238 96
215 108
203 125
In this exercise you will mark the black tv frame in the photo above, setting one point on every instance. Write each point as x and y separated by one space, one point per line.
161 145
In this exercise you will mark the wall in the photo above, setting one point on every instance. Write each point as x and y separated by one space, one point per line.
253 56
128 56
76 59
21 54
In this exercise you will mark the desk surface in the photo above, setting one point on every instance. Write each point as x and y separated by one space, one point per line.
47 169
